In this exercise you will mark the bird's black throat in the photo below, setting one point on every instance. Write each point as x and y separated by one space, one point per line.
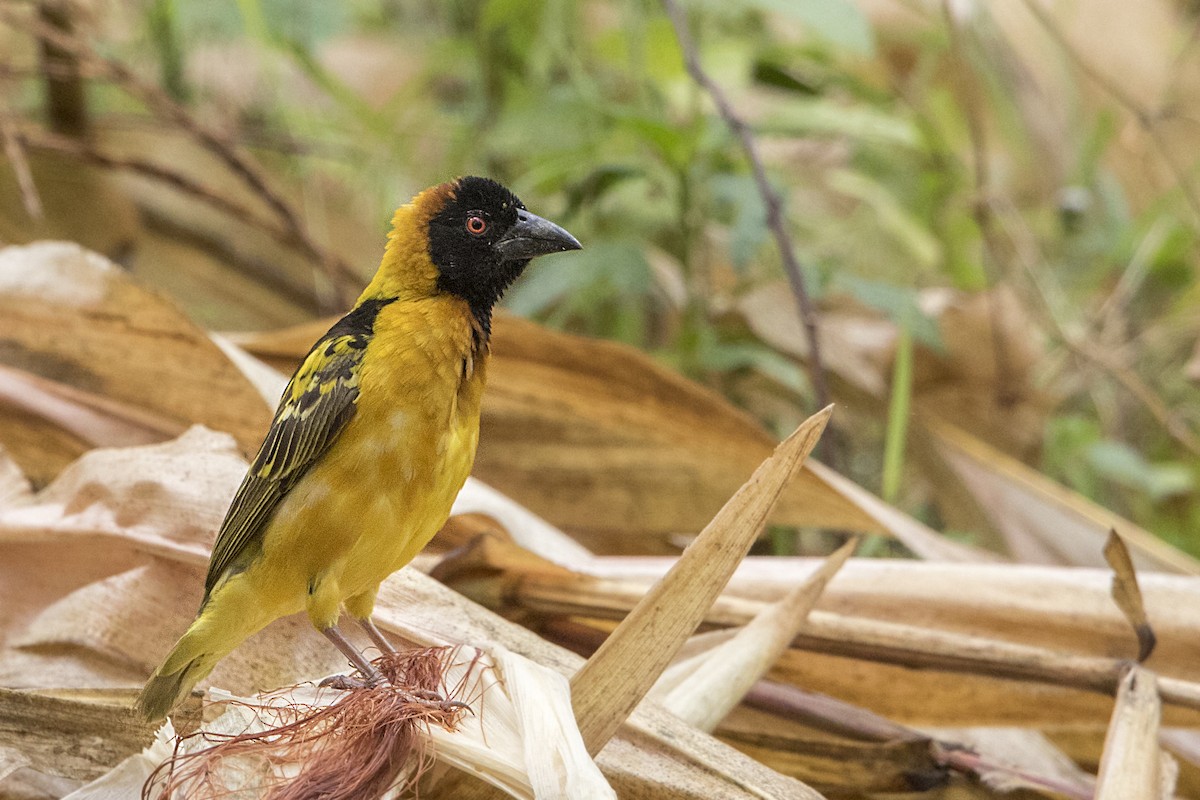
469 265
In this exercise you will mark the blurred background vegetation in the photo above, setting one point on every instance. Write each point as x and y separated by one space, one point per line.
995 205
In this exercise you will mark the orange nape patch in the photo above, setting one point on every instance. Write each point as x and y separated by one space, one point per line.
357 748
406 271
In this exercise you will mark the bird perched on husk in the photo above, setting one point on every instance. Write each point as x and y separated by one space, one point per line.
373 437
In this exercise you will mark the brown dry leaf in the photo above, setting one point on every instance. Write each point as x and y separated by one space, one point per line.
92 418
1042 521
81 203
818 725
607 444
80 735
832 763
100 579
72 317
980 379
1127 595
966 624
624 668
1010 759
1133 764
1055 608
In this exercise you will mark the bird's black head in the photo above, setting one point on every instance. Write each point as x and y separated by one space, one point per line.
482 238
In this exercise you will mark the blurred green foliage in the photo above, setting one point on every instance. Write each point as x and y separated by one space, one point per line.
585 109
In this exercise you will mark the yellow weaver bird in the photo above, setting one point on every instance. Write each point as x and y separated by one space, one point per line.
373 438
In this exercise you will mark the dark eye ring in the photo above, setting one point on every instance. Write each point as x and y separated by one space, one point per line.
476 225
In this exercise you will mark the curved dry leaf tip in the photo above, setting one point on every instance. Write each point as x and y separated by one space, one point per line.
1127 594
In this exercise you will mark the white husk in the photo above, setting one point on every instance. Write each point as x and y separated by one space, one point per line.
521 739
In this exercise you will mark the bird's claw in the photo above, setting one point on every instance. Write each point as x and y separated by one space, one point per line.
428 697
423 697
346 683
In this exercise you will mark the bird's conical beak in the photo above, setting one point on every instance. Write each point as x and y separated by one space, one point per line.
533 236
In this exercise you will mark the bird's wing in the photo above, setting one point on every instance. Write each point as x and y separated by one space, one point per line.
317 404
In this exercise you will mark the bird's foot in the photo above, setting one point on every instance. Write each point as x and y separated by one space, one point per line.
421 697
432 699
347 683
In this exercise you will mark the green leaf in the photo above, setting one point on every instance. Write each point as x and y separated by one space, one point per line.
721 356
840 22
1122 464
898 302
587 278
676 144
893 217
815 116
899 407
749 228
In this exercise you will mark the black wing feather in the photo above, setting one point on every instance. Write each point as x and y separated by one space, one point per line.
316 406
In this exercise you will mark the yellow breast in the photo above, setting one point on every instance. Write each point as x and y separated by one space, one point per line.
386 485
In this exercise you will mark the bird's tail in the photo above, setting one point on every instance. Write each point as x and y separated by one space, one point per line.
214 633
190 662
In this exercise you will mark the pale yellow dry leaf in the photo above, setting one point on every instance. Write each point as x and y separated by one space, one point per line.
528 721
624 668
1067 609
81 577
1133 764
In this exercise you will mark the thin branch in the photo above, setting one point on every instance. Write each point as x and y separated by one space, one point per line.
15 154
341 275
85 151
1146 118
771 199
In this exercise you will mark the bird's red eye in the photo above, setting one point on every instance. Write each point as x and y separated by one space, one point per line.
476 225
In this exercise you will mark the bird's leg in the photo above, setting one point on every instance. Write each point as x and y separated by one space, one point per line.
424 696
385 647
371 676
